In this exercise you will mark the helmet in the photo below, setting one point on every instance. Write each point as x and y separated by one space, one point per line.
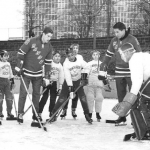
126 47
4 53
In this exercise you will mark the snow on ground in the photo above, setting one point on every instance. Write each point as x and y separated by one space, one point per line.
68 134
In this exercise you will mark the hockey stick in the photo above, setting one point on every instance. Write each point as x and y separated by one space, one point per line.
31 105
117 76
44 128
61 106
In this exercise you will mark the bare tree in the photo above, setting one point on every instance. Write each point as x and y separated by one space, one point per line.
84 14
142 17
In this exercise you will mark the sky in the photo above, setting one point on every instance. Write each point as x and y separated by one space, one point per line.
11 19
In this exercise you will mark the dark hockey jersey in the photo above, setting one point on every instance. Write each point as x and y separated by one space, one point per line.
34 55
122 68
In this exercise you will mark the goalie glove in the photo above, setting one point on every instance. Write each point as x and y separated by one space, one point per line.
122 108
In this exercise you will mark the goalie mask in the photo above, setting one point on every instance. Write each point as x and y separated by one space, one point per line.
126 50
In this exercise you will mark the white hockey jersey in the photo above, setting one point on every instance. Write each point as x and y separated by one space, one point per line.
57 73
93 74
139 65
5 70
73 70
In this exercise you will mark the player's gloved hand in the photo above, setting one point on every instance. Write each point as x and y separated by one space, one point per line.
46 82
103 67
121 109
84 80
59 90
71 92
19 71
102 75
12 84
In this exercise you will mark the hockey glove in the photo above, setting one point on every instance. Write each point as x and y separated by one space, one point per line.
12 84
46 82
59 90
84 80
102 75
121 109
71 93
19 71
103 67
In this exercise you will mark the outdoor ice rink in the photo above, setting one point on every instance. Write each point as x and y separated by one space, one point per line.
68 134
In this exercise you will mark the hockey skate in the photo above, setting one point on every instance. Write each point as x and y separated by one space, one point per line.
74 115
35 122
20 118
119 122
63 115
107 88
98 117
10 116
88 119
1 116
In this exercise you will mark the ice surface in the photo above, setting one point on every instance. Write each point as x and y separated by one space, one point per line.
68 134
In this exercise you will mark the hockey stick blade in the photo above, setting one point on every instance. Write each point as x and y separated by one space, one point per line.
56 113
111 121
127 137
11 119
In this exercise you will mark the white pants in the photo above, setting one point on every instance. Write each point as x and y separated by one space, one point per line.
94 93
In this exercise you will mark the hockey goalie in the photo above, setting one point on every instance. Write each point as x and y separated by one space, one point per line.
137 101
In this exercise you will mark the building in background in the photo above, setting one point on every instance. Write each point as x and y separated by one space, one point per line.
69 19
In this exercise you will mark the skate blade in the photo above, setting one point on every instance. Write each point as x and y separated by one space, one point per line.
1 118
120 124
98 120
63 118
11 119
74 118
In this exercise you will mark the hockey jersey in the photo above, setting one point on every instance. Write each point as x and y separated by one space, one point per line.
73 70
5 70
34 54
139 65
93 74
122 68
57 73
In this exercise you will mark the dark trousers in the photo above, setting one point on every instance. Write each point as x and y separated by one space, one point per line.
64 95
53 94
36 84
121 85
74 103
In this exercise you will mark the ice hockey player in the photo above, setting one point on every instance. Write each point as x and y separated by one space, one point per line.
6 83
57 79
75 48
33 54
122 35
74 76
94 87
138 98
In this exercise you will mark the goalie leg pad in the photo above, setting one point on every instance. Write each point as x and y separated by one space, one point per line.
139 125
